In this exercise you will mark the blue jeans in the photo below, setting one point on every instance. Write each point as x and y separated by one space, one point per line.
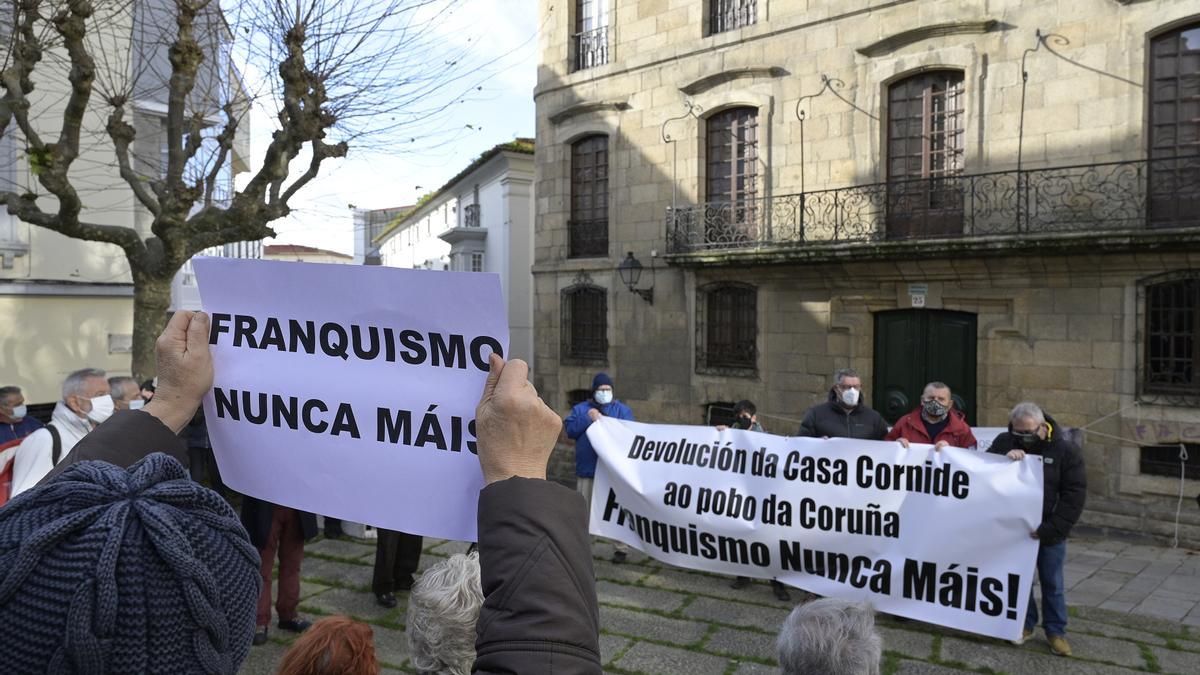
1050 561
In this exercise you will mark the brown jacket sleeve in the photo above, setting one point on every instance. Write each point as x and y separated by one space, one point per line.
123 439
539 611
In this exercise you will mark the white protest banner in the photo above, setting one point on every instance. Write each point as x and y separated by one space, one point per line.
350 390
942 537
984 436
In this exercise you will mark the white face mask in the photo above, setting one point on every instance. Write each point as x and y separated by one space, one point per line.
136 404
850 397
604 397
19 412
102 409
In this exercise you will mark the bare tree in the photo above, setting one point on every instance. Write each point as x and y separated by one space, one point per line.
337 73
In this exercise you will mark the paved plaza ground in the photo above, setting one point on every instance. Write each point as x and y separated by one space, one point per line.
1133 608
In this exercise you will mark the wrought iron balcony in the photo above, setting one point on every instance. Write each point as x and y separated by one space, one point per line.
591 48
1133 196
471 215
727 15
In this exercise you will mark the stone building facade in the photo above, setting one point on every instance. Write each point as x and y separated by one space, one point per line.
1001 195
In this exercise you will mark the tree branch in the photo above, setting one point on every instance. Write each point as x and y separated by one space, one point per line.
122 134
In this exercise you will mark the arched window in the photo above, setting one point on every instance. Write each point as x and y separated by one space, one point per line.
1172 330
731 176
584 324
1174 141
727 329
925 141
589 198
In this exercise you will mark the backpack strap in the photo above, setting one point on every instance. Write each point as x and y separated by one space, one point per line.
56 452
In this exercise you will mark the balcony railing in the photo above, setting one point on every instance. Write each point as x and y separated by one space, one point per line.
471 215
727 15
1142 195
591 48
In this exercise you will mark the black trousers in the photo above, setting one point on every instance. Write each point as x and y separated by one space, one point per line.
397 556
203 465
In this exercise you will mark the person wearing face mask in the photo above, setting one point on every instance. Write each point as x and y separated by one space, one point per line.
844 415
85 404
15 422
934 422
126 393
1032 432
745 417
582 415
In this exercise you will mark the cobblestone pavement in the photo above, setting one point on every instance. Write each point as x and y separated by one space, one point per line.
1133 609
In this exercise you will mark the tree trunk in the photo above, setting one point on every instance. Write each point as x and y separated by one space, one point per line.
151 300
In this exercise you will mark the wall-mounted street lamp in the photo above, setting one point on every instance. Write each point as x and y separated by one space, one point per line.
630 270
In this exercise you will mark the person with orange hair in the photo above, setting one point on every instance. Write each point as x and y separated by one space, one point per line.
336 645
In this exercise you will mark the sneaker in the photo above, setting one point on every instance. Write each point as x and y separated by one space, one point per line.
1025 635
294 625
260 636
740 583
781 593
619 557
385 600
1058 645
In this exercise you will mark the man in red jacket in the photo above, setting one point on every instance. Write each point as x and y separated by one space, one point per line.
935 422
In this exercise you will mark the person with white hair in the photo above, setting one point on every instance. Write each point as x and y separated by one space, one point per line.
830 637
1032 432
442 611
85 404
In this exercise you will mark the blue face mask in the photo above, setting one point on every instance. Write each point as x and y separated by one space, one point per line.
604 396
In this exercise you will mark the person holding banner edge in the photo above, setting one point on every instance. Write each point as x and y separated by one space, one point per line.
934 422
844 415
1031 431
601 404
745 416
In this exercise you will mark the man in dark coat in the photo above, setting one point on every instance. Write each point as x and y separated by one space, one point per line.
1031 431
539 610
397 556
278 528
844 415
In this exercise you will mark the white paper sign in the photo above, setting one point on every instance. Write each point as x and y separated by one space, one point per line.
942 537
350 391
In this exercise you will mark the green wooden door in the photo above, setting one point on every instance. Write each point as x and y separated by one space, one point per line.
916 346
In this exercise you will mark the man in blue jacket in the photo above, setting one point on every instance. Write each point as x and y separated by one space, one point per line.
582 415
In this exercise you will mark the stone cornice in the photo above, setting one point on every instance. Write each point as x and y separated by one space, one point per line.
893 42
709 81
585 108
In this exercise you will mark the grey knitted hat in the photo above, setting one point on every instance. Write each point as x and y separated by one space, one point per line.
139 570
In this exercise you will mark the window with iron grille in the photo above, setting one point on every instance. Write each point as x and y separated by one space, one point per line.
476 262
731 176
727 329
726 15
926 138
590 41
585 325
1172 358
1174 93
588 226
1163 460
